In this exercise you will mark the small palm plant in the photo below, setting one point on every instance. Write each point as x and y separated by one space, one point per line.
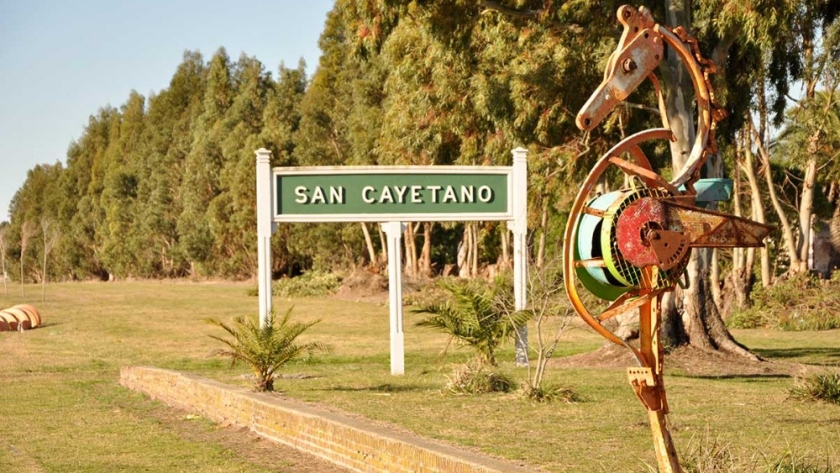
475 315
265 348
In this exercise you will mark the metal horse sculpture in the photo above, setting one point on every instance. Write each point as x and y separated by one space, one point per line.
630 246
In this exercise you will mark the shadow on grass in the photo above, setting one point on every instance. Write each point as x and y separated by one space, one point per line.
382 388
822 354
48 324
750 378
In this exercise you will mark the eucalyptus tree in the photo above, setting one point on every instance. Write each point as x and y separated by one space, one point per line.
810 138
339 122
50 234
281 120
203 165
468 81
119 194
231 215
27 231
172 116
82 190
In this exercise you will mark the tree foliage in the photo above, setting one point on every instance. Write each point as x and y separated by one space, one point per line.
163 186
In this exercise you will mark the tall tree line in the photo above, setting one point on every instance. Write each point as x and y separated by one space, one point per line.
163 186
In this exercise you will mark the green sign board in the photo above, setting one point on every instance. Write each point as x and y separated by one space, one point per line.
403 193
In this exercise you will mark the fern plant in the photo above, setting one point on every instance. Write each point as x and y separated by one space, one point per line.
264 348
474 315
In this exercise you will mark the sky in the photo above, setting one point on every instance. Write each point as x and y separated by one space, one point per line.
61 61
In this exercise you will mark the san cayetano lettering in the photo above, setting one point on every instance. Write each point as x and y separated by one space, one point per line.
413 194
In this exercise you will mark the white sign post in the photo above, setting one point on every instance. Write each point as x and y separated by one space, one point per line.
393 232
394 194
519 227
264 231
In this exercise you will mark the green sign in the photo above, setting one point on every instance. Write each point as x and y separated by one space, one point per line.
384 194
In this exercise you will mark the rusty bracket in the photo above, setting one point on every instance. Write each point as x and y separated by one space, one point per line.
644 383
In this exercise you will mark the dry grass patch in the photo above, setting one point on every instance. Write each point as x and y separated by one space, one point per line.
61 392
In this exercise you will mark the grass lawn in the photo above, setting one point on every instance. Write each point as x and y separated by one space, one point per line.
63 410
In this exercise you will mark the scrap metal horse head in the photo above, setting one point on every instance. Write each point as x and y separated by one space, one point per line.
640 50
638 53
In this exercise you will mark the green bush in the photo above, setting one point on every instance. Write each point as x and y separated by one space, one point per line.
308 284
265 348
801 302
817 387
474 314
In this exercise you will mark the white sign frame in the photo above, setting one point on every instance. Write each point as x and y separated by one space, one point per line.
516 217
506 171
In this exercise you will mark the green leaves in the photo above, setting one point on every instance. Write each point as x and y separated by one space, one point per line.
475 315
265 348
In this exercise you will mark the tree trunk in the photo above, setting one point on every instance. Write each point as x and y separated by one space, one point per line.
383 246
715 281
834 229
426 251
465 252
543 231
787 231
679 98
504 259
757 208
702 324
44 277
806 210
369 243
410 249
734 282
474 254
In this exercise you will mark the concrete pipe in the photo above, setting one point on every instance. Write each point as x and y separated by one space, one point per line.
19 317
10 320
32 312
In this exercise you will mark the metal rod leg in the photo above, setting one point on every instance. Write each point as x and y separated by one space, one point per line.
666 454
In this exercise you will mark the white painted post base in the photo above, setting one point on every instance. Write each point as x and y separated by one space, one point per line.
393 232
264 231
519 227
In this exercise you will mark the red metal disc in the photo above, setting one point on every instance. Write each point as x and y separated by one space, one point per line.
639 217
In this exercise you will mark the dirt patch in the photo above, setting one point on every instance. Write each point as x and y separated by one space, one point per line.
686 360
242 442
363 285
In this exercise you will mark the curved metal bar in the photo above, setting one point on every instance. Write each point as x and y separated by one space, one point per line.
628 144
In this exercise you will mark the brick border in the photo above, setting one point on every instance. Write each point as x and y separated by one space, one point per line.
337 438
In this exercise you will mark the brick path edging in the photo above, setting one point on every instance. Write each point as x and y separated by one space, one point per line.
340 439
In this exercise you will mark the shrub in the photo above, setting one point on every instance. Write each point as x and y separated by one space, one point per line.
308 284
474 314
800 302
817 387
475 377
542 393
265 348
